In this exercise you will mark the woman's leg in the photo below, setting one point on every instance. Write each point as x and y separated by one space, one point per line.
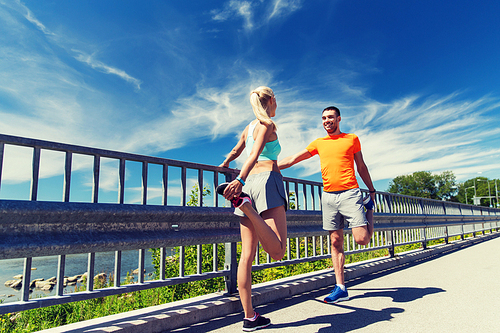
270 229
249 241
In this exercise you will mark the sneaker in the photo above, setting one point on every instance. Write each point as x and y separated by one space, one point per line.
337 295
220 189
368 203
240 201
235 202
259 322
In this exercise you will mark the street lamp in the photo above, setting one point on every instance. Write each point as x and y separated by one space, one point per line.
496 192
489 192
466 193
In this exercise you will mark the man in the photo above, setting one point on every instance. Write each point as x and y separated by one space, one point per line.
342 199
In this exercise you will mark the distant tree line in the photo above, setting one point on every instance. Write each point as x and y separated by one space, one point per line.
443 186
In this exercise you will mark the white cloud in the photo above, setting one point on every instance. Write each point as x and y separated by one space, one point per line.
255 14
285 7
63 42
103 68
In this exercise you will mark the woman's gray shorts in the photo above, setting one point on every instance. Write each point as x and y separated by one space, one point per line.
343 206
266 191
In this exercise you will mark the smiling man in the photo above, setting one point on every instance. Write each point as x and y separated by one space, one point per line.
342 200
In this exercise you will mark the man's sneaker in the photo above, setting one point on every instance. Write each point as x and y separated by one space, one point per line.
259 322
337 295
235 202
368 203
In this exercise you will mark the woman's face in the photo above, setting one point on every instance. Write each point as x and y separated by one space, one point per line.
272 106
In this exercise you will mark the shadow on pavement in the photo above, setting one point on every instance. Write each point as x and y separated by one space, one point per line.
340 322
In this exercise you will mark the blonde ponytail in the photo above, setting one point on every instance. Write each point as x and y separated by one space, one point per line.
259 98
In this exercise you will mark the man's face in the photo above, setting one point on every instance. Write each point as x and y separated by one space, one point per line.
331 121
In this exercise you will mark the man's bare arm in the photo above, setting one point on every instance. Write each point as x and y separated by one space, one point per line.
363 172
294 159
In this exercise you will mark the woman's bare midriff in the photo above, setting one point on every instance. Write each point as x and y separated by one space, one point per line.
263 166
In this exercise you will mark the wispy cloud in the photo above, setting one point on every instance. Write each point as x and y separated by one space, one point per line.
285 7
63 42
103 68
255 14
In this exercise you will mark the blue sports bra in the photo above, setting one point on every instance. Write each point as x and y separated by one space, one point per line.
271 149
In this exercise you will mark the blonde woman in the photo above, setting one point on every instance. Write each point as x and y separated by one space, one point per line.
259 197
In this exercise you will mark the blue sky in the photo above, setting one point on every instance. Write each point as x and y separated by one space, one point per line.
417 81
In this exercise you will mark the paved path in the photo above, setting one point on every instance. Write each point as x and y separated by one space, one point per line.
454 292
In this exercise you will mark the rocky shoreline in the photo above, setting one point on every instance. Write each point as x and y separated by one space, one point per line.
49 284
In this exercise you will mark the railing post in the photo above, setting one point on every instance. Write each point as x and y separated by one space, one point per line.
26 279
446 238
424 238
2 146
231 264
35 174
390 237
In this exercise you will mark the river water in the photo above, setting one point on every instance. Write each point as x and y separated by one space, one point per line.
76 264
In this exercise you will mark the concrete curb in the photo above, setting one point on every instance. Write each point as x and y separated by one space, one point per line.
170 316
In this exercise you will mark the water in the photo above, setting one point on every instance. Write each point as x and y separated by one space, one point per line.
76 264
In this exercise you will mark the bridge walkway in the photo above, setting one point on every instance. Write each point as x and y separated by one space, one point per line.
447 288
454 292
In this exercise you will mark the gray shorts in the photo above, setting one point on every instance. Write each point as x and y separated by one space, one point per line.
343 206
266 190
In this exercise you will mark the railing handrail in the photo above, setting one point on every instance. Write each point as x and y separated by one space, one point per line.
76 149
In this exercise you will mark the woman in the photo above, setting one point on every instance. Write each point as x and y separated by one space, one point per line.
263 217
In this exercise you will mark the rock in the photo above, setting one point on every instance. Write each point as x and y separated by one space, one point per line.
47 287
136 271
16 284
72 283
18 277
43 285
32 284
74 278
33 268
8 283
52 279
101 277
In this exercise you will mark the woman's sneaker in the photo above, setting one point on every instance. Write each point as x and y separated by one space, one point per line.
235 202
368 203
252 325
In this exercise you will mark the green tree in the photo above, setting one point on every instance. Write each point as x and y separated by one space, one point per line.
478 187
194 197
426 185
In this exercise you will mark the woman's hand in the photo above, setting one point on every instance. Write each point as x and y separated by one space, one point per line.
224 165
233 190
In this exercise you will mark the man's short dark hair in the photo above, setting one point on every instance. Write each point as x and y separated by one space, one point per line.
333 108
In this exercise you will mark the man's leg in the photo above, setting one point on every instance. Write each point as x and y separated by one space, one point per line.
338 257
363 234
339 293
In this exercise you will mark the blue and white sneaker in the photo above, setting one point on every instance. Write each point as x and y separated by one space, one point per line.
337 295
368 203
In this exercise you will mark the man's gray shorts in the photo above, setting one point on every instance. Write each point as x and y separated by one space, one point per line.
343 206
266 190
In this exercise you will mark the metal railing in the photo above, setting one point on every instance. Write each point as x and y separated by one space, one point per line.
33 228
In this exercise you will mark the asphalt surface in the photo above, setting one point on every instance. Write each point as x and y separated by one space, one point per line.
454 292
